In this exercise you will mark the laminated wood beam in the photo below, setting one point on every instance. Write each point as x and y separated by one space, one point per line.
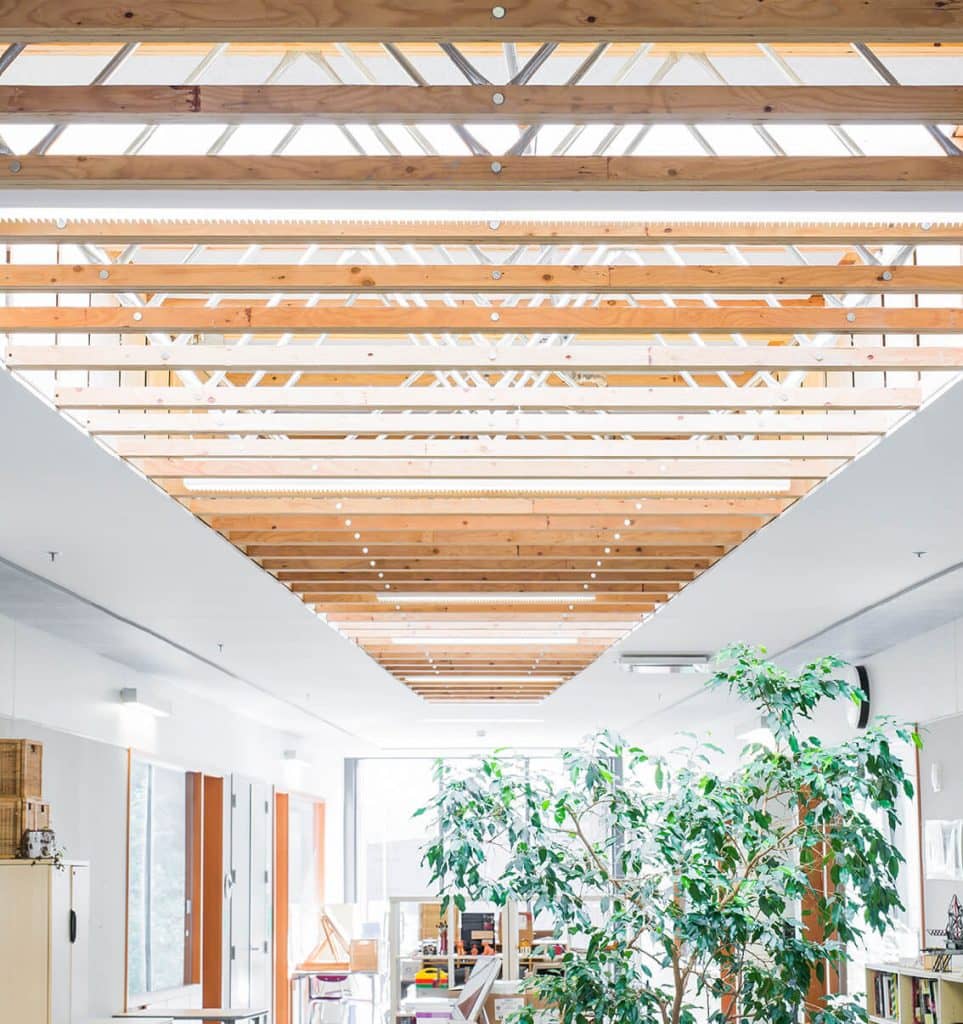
643 424
455 544
456 580
339 233
317 591
625 357
605 321
508 104
438 469
658 399
650 520
603 509
556 567
474 506
725 173
482 615
497 279
474 20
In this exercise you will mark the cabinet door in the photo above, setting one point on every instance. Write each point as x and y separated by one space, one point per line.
79 950
60 946
24 950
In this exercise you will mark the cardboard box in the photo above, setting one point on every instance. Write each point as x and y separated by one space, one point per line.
499 1005
363 956
431 920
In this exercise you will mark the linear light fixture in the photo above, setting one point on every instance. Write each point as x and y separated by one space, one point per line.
491 641
659 664
528 597
131 697
483 679
459 485
483 721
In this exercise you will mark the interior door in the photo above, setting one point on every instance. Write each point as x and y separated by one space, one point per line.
252 839
240 893
262 841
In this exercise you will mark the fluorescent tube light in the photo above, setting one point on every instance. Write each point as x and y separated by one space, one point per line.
132 698
488 597
459 485
483 721
659 664
483 679
491 641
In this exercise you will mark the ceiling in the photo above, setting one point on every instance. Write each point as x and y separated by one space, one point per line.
483 449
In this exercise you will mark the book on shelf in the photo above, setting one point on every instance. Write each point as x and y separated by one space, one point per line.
885 994
925 1009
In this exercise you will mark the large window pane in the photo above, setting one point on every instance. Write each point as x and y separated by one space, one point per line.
158 878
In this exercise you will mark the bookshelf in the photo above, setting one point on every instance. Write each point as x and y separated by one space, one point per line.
898 994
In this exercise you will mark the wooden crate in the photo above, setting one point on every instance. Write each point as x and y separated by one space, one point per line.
17 815
21 768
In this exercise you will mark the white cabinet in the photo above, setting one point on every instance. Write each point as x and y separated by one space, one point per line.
43 942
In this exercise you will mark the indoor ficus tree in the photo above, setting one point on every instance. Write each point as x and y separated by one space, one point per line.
698 875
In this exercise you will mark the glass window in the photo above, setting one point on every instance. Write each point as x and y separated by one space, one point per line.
305 866
157 882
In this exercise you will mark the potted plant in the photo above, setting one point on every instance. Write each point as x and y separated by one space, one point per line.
698 890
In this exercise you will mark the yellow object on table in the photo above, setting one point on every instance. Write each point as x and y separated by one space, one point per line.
431 977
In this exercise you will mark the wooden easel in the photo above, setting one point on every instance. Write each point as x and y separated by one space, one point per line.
331 953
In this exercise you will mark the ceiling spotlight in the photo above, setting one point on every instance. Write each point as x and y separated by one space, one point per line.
598 562
347 522
372 563
626 522
364 551
617 536
357 536
607 551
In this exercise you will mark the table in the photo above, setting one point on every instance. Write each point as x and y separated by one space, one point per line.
212 1016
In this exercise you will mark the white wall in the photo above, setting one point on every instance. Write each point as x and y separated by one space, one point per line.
67 697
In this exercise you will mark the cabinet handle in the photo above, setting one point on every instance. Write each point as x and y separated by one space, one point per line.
73 925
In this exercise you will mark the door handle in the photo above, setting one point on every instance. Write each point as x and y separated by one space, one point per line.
73 925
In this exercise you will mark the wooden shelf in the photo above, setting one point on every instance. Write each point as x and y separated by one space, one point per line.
948 994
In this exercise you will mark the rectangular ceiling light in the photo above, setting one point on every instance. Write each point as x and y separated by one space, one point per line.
529 597
441 678
491 641
132 698
483 721
660 664
456 485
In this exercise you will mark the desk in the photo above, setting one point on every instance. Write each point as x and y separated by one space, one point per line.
211 1016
